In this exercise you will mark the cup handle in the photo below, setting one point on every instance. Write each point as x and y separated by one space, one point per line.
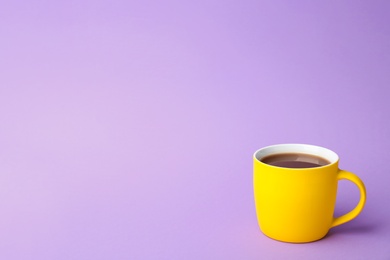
344 175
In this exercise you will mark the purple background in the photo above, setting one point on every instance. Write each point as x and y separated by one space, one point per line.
128 127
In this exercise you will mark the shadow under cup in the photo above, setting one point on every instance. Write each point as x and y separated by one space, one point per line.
295 204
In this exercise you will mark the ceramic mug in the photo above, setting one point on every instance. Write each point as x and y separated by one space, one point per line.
297 204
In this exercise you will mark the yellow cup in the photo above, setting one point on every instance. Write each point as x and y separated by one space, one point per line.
297 204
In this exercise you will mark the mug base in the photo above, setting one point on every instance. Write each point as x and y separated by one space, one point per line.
293 241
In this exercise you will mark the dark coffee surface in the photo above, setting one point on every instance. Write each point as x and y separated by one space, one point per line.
295 160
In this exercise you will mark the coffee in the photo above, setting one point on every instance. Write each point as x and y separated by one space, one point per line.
295 160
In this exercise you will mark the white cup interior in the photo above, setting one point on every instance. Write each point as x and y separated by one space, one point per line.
325 153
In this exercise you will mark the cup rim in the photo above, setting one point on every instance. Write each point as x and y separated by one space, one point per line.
316 150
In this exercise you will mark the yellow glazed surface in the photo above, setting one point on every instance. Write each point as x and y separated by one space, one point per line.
297 205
